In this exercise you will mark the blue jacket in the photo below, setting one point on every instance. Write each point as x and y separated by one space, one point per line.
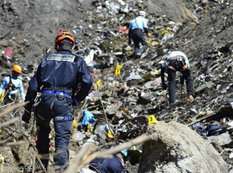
139 22
17 86
109 165
62 71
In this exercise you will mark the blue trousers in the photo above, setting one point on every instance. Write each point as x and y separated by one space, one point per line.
186 75
109 165
53 107
139 37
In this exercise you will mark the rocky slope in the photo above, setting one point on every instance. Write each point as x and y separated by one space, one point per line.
202 31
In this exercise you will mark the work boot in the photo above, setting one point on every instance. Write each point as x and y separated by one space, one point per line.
144 54
191 98
138 55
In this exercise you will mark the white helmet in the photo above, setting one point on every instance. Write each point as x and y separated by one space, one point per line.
142 13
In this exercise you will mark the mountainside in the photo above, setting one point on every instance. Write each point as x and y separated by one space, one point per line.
202 29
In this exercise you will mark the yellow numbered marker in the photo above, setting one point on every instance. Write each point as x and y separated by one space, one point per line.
110 134
98 83
88 128
2 96
149 40
165 32
118 70
219 53
74 125
152 119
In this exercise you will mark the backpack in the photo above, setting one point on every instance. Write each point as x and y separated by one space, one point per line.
177 62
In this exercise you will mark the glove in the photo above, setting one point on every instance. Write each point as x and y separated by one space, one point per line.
26 116
88 117
75 101
164 86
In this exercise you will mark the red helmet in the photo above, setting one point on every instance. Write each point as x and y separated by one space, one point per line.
64 34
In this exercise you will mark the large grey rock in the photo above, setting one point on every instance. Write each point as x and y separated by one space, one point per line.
79 137
177 148
221 140
204 86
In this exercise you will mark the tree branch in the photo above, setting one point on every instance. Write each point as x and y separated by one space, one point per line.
84 156
18 105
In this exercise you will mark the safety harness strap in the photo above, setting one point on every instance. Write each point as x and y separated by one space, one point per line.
64 118
56 93
10 86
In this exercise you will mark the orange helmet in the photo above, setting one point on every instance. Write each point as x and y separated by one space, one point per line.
64 34
17 68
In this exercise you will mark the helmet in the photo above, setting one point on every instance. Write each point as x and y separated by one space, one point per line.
142 13
64 34
17 69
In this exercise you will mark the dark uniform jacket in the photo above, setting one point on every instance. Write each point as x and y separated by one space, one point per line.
62 71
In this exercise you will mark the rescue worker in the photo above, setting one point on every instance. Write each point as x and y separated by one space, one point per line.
137 27
63 79
177 61
108 165
11 86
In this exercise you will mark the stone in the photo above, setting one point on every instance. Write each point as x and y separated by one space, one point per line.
177 148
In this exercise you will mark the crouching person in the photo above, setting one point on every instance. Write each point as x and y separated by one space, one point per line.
177 61
109 165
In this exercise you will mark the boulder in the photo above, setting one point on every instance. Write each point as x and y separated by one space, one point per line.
177 148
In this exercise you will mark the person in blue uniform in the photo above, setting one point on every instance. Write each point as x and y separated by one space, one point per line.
177 61
137 27
63 80
12 85
108 165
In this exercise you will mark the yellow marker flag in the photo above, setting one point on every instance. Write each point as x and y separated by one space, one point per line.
149 40
118 70
165 31
2 96
157 72
88 128
110 134
219 53
152 119
98 83
74 125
